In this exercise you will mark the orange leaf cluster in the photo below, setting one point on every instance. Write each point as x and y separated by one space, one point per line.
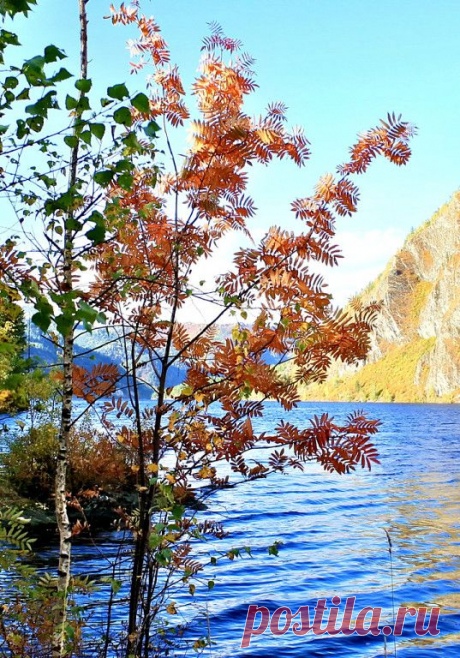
96 383
165 231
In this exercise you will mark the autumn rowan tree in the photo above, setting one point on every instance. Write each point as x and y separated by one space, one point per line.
165 226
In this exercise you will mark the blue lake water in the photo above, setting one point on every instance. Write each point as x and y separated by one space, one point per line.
334 543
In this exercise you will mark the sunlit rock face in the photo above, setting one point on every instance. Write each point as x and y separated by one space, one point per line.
421 293
415 353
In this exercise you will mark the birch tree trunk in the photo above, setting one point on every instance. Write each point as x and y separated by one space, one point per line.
64 527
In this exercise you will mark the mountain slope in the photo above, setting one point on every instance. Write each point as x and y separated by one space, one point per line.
415 355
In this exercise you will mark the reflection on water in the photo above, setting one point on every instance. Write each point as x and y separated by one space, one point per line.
427 533
334 544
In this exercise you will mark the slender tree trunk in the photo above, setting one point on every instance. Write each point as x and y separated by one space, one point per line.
143 530
64 527
65 531
134 644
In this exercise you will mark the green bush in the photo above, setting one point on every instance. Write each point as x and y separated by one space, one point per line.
30 462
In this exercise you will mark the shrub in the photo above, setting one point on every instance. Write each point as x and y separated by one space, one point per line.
95 461
30 462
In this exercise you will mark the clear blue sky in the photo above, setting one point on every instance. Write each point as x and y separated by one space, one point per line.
339 66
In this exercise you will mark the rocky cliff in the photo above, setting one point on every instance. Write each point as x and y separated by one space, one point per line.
415 355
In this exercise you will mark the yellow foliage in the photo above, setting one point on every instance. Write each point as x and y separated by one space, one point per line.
206 472
5 397
391 378
417 303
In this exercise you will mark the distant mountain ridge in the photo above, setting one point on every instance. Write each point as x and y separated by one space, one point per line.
102 346
415 355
